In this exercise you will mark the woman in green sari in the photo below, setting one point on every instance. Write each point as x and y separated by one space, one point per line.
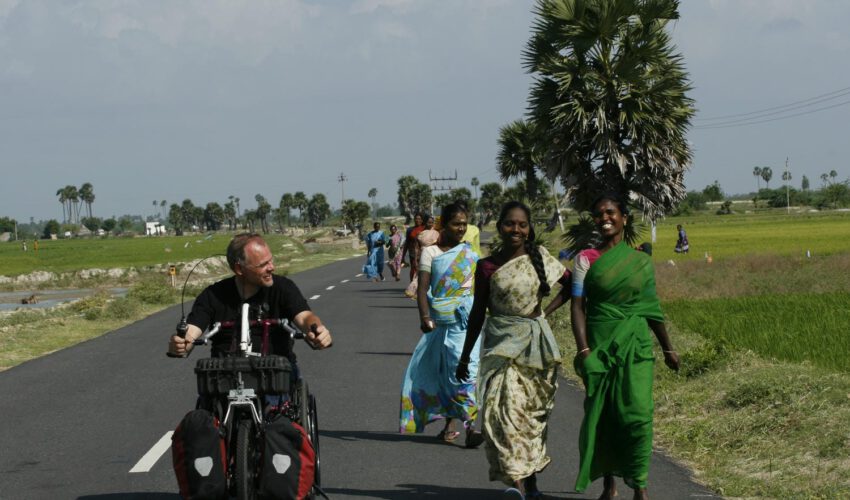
614 307
518 372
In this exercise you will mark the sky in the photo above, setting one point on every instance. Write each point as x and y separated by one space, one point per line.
154 100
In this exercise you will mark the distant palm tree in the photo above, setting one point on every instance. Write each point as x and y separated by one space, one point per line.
824 178
373 193
475 183
786 176
833 174
162 205
757 175
767 174
62 200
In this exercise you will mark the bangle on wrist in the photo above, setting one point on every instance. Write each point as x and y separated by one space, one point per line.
584 350
669 352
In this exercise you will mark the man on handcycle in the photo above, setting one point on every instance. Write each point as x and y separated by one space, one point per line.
253 282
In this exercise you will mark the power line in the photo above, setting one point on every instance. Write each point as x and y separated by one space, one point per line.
796 104
730 125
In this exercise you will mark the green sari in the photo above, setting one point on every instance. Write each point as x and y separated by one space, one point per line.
616 433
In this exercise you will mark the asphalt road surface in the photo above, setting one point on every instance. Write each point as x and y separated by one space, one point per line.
93 421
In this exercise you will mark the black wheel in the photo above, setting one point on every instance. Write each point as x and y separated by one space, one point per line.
308 420
246 461
313 416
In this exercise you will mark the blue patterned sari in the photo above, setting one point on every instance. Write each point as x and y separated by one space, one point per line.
430 390
374 267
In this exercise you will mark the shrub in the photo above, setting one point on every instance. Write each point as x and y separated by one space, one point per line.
154 291
122 308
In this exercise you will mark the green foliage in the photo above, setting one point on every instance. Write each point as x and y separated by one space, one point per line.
122 307
725 208
713 192
609 100
413 197
693 202
7 225
491 200
318 209
155 291
355 213
50 228
92 223
108 225
703 359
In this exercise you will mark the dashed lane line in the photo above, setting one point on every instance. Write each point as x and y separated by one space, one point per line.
149 459
344 281
359 275
314 297
330 287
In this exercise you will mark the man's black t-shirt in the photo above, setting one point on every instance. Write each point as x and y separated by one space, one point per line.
221 302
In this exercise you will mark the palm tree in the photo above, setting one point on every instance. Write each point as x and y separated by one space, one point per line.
87 196
786 176
519 154
156 206
262 212
832 175
757 175
373 193
610 100
824 178
286 204
62 200
72 197
299 201
474 182
162 207
767 174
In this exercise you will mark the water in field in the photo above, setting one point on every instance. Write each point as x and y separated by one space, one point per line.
10 301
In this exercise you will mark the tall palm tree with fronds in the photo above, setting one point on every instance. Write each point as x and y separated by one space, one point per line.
62 200
757 175
520 152
610 99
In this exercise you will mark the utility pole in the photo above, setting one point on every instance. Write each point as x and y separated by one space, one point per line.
440 184
341 179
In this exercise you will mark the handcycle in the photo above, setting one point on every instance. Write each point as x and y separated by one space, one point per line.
243 388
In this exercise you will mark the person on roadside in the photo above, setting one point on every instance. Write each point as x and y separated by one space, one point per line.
682 245
520 365
375 241
255 283
409 248
425 237
430 389
394 244
615 306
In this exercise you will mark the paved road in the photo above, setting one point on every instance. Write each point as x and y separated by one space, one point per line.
77 421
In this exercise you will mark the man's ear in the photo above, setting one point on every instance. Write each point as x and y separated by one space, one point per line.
237 269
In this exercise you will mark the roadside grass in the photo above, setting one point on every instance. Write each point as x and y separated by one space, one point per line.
71 255
28 334
795 327
761 405
823 233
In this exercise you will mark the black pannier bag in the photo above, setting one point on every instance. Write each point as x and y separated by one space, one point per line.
289 461
264 374
200 457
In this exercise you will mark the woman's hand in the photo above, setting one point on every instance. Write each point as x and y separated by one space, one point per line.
427 325
462 372
583 354
671 359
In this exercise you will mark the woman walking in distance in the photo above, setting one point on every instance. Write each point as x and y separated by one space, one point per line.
394 252
410 242
430 390
375 241
614 307
519 367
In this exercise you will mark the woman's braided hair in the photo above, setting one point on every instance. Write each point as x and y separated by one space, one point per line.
531 247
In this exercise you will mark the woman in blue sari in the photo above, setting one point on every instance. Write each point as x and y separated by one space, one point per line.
375 241
430 390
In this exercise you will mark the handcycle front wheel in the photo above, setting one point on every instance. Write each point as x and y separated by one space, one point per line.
309 420
246 461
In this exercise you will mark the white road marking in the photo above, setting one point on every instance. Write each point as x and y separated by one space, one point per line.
147 462
357 255
359 275
330 287
344 281
314 297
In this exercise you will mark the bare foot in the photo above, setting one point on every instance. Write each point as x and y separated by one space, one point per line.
609 488
640 494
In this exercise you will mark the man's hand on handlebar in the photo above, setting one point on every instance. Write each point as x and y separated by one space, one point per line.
180 346
318 337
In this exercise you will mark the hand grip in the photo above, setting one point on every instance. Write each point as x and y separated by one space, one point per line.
182 328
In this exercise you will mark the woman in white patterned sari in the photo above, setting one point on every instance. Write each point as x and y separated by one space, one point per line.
518 371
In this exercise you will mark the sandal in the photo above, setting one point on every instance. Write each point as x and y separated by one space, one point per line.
513 493
448 435
473 439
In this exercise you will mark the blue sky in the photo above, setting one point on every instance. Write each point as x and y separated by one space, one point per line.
151 100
